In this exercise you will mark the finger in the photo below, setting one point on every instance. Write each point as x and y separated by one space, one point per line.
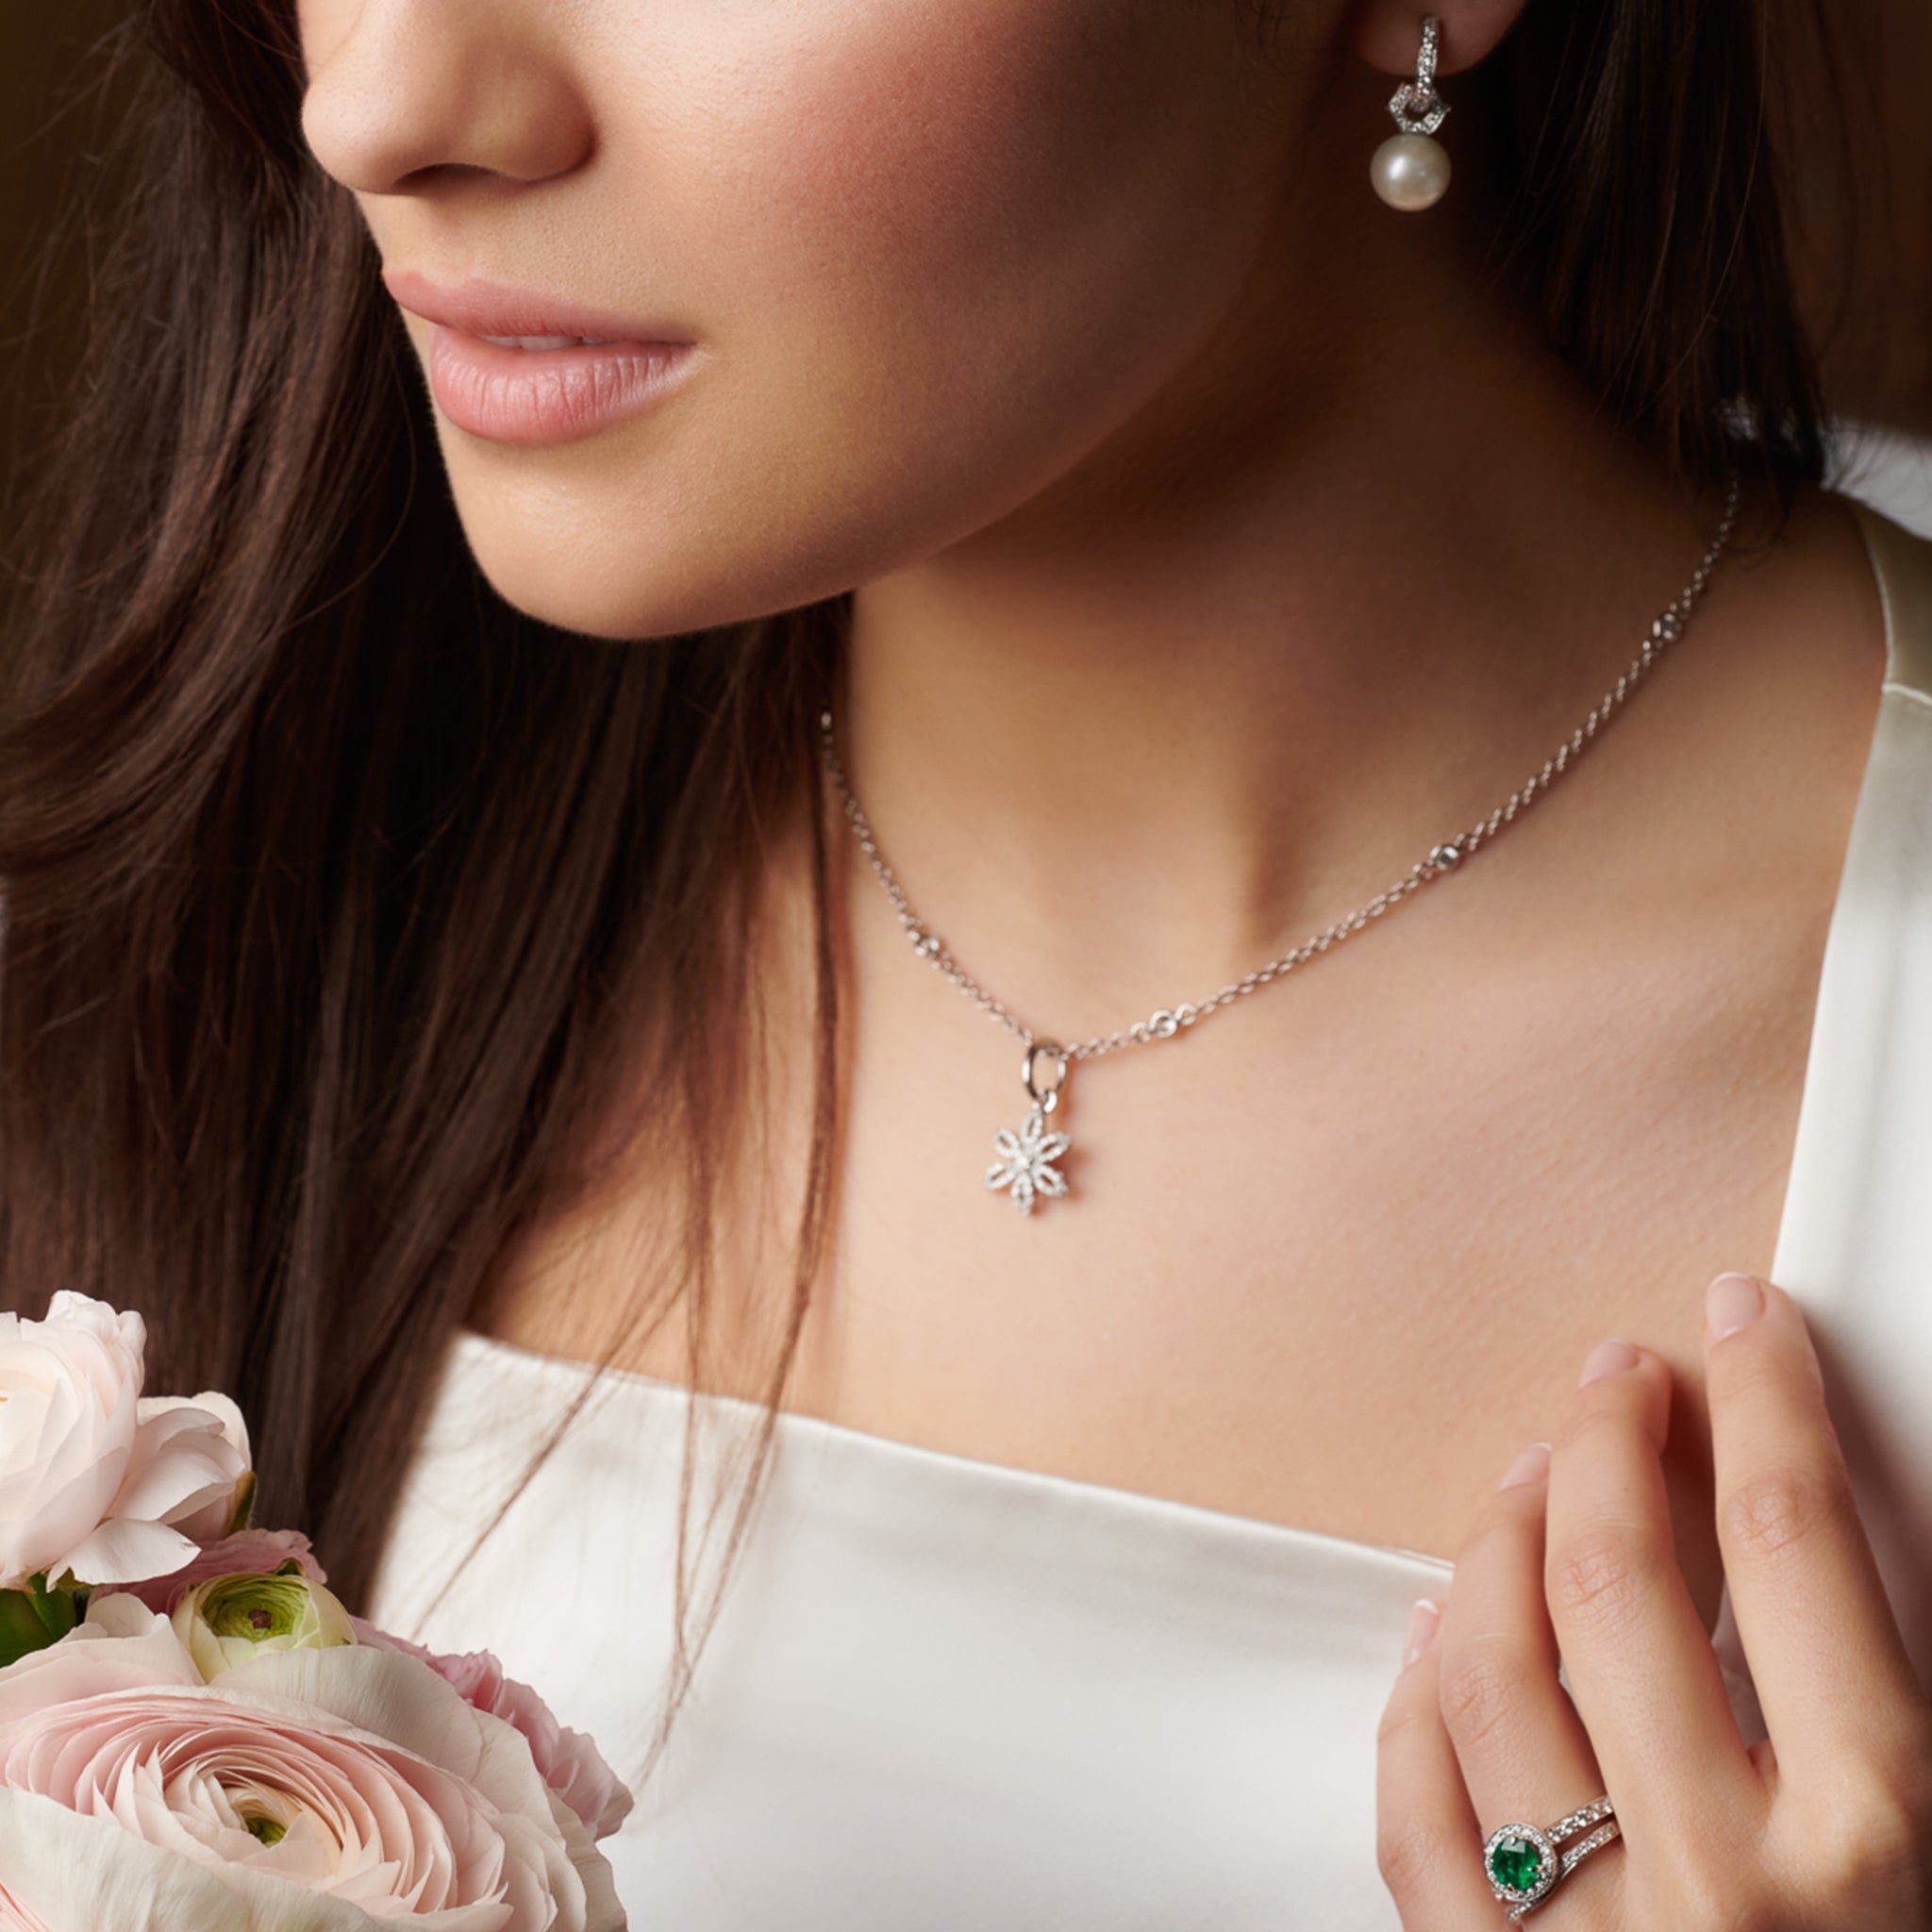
1635 1651
1833 1676
1427 1845
1524 1753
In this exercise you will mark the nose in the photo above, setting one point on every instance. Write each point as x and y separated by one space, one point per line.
402 90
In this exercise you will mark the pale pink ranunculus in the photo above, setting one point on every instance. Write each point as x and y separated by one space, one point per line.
333 1791
93 1480
257 1552
568 1762
14 1917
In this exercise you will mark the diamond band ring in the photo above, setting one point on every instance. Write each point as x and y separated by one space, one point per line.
1524 1863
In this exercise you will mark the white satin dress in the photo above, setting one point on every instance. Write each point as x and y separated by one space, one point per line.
948 1697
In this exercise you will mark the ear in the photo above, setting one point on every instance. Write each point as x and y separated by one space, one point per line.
1389 33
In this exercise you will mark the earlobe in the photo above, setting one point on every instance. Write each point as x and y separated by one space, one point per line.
1385 33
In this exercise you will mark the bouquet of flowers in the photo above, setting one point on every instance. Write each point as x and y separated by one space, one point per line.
195 1736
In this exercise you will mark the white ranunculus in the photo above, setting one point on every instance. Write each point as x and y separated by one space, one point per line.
233 1620
93 1479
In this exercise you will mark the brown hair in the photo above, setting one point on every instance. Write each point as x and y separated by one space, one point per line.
342 897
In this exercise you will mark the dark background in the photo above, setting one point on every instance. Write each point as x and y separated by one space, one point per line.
1862 171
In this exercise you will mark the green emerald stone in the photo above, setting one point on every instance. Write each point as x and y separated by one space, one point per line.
1516 1863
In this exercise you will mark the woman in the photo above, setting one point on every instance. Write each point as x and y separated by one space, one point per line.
1005 480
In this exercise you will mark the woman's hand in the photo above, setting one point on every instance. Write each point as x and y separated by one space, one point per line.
1825 1827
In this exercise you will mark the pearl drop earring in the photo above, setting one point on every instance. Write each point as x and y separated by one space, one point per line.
1410 169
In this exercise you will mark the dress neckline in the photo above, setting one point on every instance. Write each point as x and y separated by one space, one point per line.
1907 675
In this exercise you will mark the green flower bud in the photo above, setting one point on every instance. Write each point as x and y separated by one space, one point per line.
228 1620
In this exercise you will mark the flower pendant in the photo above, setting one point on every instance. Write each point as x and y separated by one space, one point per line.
1026 1162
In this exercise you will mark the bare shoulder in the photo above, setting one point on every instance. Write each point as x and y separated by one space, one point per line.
1810 586
1780 693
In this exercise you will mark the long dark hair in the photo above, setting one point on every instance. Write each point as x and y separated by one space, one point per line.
345 904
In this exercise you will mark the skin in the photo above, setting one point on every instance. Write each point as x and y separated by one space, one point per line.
1219 540
1826 1823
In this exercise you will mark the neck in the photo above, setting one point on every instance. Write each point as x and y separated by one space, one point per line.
1337 590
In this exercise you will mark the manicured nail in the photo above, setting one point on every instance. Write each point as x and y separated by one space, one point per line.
1530 1467
1606 1359
1732 1302
1424 1621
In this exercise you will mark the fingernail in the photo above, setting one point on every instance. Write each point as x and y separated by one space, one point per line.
1422 1623
1529 1467
1606 1359
1732 1302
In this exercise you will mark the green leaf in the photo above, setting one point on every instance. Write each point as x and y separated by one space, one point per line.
30 1620
59 1611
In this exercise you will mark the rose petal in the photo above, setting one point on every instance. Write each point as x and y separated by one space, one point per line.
130 1552
186 1466
69 1392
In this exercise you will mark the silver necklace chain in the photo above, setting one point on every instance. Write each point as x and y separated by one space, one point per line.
1026 1164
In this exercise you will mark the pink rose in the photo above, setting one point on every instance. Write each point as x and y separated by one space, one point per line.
93 1479
248 1551
309 1791
567 1760
191 1460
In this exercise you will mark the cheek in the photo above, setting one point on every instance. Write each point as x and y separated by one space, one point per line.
987 158
935 264
965 246
913 153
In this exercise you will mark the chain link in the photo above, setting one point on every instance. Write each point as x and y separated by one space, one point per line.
1168 1021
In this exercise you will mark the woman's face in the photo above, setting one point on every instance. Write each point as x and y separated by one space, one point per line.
924 256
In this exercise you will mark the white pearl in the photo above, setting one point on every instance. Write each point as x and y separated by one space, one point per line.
1411 171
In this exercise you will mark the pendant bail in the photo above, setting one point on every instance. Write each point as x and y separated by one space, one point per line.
1047 1098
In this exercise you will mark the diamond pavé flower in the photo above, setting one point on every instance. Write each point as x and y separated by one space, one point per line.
1024 1163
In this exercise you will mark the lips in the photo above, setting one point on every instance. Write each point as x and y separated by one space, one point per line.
512 366
543 344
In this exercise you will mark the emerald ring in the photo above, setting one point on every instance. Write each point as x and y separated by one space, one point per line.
1524 1863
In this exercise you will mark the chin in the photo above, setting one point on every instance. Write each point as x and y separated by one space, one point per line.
600 577
548 590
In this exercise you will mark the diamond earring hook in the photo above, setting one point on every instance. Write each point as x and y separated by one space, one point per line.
1417 107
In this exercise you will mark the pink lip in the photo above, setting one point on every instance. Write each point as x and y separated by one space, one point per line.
518 395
